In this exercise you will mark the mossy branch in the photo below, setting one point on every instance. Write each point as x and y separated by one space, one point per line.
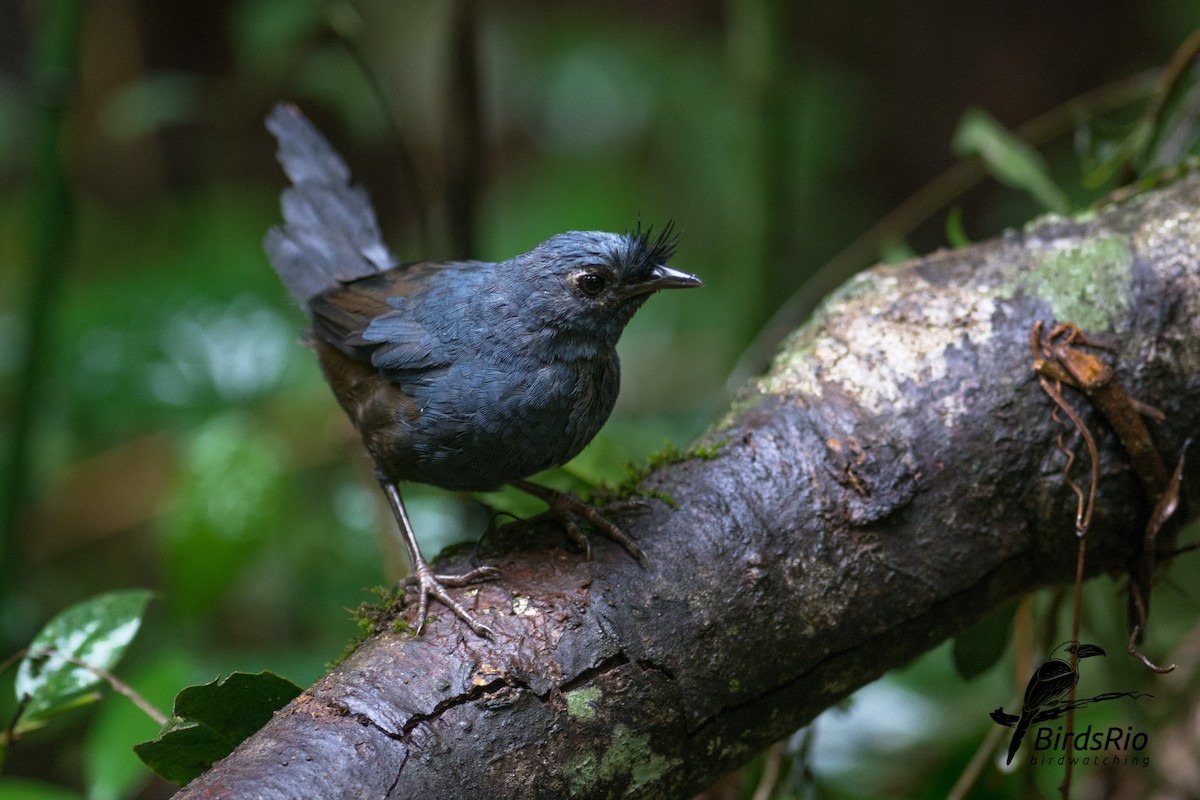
891 480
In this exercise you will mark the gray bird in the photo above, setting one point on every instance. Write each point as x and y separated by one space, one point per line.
465 374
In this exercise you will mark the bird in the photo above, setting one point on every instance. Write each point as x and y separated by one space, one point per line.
1048 684
465 375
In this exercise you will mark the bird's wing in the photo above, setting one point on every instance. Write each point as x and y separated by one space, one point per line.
372 319
1049 682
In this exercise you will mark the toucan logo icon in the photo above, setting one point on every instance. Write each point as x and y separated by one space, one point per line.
1047 686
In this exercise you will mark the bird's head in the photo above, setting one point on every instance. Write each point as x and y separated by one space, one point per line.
589 283
1086 650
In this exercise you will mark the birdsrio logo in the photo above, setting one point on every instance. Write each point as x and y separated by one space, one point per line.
1111 747
1044 702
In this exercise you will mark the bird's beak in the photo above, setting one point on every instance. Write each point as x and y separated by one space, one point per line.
663 277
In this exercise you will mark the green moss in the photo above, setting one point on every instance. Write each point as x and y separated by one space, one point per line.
376 616
706 452
628 753
1087 284
670 454
401 626
635 474
581 703
350 647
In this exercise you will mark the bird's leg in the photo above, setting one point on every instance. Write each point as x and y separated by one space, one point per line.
429 583
567 506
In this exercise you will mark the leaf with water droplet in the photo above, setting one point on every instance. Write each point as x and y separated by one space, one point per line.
65 661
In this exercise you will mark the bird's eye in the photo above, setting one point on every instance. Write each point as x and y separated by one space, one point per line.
591 283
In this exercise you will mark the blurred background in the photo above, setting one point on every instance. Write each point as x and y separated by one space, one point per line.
161 427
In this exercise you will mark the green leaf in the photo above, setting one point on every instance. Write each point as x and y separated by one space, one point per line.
1010 160
979 647
212 719
94 632
1102 158
956 234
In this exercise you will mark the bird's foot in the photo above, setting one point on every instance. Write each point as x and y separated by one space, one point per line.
427 582
430 584
567 507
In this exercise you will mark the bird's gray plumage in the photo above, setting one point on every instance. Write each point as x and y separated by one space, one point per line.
505 369
464 374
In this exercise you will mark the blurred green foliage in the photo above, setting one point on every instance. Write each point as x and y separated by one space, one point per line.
180 439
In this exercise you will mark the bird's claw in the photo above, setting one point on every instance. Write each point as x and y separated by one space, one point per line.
625 504
567 507
484 573
429 584
599 522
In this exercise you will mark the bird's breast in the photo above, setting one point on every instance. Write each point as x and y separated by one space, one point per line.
481 425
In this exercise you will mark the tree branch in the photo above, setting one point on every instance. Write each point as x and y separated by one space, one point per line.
891 480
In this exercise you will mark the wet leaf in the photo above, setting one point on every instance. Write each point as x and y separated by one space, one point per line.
212 719
94 633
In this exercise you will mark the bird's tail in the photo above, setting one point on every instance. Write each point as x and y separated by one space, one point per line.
1018 735
329 233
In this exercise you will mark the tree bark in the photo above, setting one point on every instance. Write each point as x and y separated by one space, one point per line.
892 479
